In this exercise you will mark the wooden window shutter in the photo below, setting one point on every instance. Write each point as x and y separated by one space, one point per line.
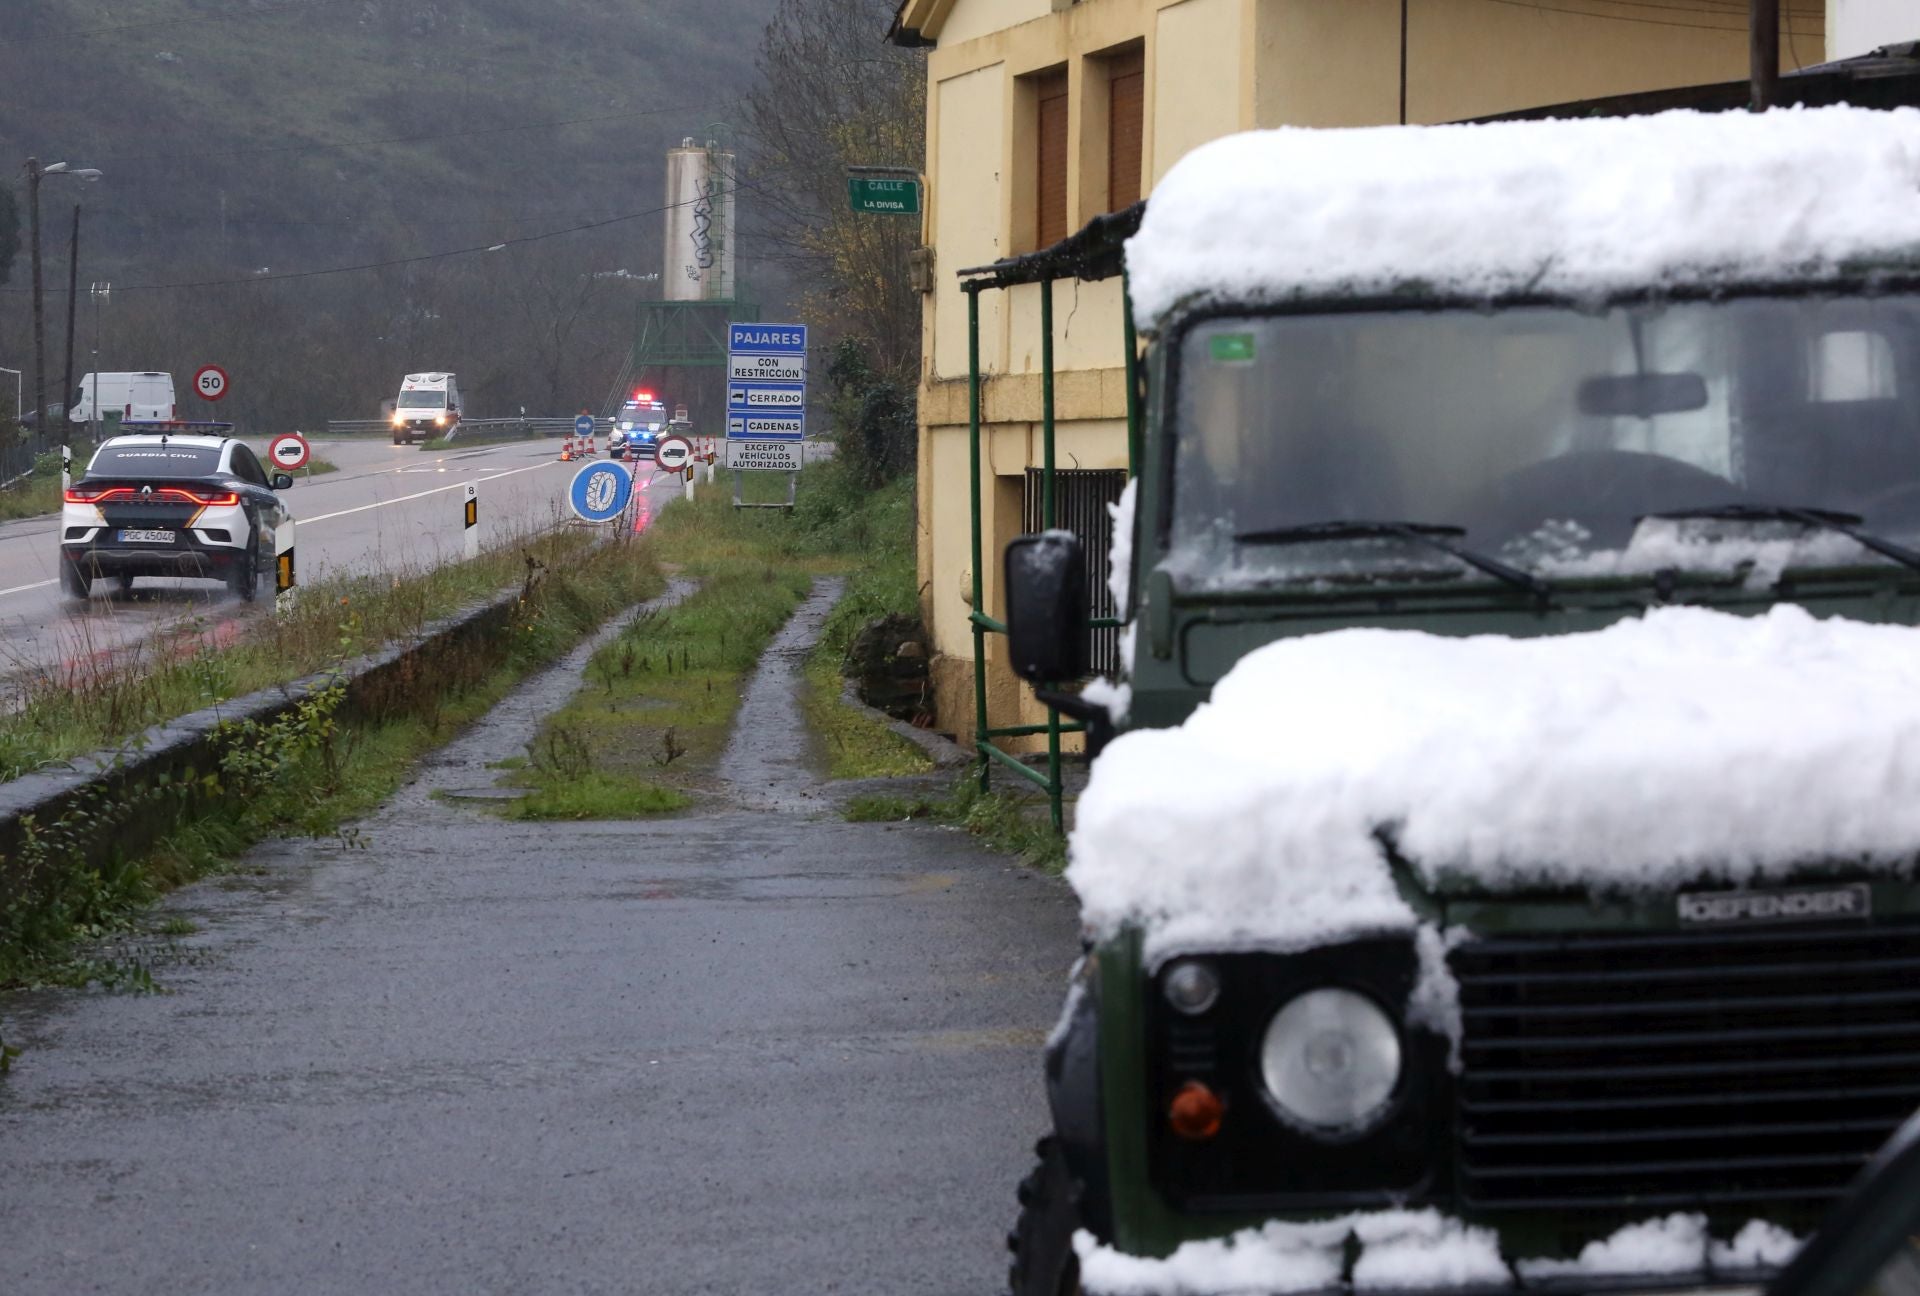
1126 123
1050 156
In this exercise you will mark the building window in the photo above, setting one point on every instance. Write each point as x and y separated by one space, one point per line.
1126 114
1050 157
1081 497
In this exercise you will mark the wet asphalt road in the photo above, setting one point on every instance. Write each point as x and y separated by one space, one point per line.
389 508
751 1049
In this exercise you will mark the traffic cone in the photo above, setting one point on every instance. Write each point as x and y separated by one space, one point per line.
591 452
566 449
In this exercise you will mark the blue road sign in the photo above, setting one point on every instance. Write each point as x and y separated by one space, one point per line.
764 398
600 492
583 426
767 339
767 425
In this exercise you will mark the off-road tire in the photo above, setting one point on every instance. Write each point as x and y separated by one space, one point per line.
244 578
1042 1238
73 581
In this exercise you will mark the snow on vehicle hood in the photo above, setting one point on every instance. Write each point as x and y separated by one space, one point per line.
1579 208
1687 745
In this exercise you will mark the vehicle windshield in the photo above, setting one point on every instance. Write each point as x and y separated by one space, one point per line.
1549 433
650 416
155 461
423 400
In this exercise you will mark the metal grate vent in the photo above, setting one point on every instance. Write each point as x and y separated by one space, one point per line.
1080 500
1683 1069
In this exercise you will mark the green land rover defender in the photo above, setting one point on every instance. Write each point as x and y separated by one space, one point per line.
1456 438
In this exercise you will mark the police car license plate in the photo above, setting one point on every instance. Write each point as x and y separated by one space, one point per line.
147 537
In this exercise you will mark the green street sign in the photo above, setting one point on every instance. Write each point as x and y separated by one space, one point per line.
898 197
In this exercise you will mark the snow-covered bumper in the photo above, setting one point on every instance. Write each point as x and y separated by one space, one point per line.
1425 1251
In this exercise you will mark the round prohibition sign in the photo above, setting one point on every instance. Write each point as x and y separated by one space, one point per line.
289 450
673 453
210 381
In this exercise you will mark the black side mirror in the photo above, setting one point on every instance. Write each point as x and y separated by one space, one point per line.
1047 607
1868 1243
281 482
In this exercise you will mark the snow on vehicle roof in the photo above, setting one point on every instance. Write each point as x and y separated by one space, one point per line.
1686 746
1578 208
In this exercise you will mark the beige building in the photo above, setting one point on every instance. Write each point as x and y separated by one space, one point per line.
1042 114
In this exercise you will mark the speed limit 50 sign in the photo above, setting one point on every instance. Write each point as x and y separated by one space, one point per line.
210 382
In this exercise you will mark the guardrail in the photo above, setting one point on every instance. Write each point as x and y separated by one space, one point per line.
531 428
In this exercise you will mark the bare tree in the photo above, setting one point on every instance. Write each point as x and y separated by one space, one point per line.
832 94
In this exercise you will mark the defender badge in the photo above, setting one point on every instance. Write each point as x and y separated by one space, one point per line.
1777 905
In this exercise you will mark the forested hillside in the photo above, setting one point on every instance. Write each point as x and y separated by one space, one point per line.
251 140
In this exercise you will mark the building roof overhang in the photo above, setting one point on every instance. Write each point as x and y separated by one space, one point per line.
916 23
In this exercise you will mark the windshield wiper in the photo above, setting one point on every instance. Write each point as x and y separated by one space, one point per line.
1846 524
1430 534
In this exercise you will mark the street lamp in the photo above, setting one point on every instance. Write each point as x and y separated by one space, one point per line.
34 172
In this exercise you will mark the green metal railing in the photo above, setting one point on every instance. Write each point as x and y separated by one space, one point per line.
983 625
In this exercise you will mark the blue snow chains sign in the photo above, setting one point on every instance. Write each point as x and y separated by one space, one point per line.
767 339
765 397
583 426
762 425
600 492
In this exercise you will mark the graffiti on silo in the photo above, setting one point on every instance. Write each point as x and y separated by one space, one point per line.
700 223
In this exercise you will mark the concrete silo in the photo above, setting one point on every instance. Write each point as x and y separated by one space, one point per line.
700 223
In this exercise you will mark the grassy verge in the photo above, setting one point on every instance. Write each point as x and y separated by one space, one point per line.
658 704
37 496
318 467
101 696
307 774
1012 822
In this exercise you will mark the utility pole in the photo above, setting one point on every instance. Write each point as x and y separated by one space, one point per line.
1763 50
73 306
39 322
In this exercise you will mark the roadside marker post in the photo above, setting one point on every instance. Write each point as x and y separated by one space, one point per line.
284 578
471 515
66 468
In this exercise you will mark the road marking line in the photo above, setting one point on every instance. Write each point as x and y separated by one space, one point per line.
402 499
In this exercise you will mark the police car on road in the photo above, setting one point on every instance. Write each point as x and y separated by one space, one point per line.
171 499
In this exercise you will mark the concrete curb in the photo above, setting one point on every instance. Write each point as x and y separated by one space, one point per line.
179 748
943 753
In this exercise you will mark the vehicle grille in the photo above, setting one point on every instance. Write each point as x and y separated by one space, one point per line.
1683 1069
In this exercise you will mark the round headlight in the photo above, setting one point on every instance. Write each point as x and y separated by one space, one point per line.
1330 1059
1191 987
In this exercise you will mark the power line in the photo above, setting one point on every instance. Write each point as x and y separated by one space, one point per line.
1627 18
396 262
321 147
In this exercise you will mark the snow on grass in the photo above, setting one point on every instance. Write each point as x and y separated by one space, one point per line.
1683 746
1581 208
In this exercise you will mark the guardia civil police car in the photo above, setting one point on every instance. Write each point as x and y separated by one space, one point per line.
171 499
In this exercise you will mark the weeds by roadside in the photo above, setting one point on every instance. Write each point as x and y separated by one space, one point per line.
1013 823
103 696
308 773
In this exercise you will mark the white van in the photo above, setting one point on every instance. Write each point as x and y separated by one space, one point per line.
147 396
428 407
